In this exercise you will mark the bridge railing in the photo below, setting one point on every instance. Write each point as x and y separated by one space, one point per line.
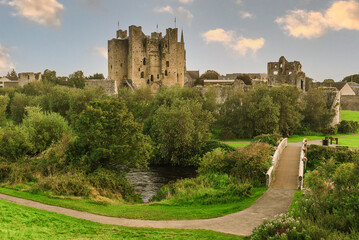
270 173
302 163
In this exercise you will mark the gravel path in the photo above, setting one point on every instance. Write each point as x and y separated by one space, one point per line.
274 201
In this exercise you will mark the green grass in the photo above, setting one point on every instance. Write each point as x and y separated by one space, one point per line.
294 205
156 211
350 141
349 115
20 222
238 143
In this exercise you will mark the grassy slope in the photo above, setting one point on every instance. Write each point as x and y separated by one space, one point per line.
19 222
143 211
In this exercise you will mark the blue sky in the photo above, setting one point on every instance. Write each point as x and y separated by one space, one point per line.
227 36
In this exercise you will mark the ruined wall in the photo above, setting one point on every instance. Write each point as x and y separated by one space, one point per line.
350 103
150 60
284 72
27 77
110 86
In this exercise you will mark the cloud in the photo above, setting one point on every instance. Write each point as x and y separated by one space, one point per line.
239 2
246 15
310 24
5 62
45 12
228 39
186 1
166 9
182 13
101 51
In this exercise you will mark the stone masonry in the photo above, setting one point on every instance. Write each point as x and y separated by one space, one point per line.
284 72
139 60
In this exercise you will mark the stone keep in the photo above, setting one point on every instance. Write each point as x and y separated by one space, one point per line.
139 60
284 72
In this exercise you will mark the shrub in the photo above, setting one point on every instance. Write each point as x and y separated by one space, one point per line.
271 139
227 134
331 130
348 126
250 163
14 143
210 145
213 162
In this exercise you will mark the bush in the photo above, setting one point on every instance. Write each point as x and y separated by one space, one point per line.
348 126
204 190
331 130
227 134
271 139
211 145
251 163
14 143
213 162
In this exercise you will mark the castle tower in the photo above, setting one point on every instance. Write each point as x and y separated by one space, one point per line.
142 60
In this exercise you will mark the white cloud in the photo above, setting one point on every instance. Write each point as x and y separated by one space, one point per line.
228 39
245 15
186 1
5 62
182 13
185 15
166 9
239 2
45 12
310 24
101 51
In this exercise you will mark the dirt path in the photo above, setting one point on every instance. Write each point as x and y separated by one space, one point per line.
274 201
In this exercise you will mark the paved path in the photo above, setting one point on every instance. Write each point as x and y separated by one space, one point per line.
275 200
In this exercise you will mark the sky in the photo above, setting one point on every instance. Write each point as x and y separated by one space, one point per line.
228 36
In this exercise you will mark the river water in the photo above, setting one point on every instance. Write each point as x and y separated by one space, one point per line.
147 182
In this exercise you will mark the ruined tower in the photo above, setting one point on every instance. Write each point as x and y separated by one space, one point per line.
137 60
284 72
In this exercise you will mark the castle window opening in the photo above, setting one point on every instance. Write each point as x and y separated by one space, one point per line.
144 61
167 64
111 67
28 77
301 84
139 69
121 64
166 73
158 76
142 74
148 81
151 78
275 72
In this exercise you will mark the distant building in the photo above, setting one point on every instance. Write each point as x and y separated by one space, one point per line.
355 87
284 72
27 77
139 60
343 87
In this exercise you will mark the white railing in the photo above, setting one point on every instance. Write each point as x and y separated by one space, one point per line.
302 163
269 175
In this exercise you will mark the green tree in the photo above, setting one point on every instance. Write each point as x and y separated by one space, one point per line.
179 131
97 76
50 77
76 79
328 80
12 76
14 143
316 112
17 107
351 78
210 74
265 115
43 129
245 78
108 136
4 101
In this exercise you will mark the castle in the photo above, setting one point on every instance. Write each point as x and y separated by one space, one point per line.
284 72
136 60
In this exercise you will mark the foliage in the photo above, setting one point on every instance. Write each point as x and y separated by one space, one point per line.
14 143
331 130
351 78
108 137
43 128
245 78
348 126
271 139
316 113
204 190
210 145
76 79
17 107
214 163
210 74
12 75
250 163
179 130
226 134
4 101
329 80
97 76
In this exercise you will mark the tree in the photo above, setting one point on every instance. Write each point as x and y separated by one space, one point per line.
316 112
50 77
108 137
43 129
179 131
328 80
76 79
351 78
210 74
17 107
245 78
4 101
12 75
97 76
14 143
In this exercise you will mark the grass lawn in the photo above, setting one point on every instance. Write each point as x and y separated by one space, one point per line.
20 222
237 143
155 211
349 115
